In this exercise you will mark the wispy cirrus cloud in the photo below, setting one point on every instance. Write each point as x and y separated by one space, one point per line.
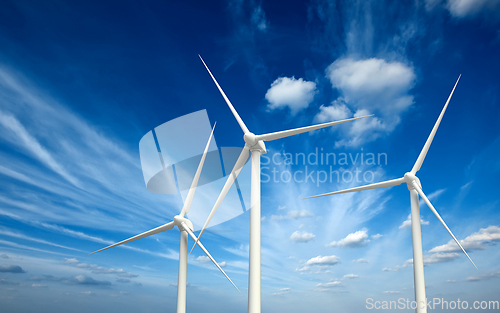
292 215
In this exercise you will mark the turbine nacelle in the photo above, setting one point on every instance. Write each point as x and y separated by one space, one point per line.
410 178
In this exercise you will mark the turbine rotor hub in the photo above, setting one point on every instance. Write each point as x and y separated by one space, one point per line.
410 178
253 144
178 220
250 139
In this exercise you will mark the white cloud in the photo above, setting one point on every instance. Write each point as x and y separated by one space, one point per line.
483 277
330 284
95 269
407 224
351 276
398 267
282 292
439 258
337 111
223 264
70 261
30 143
323 260
357 239
465 8
203 259
428 259
370 86
476 241
392 292
470 8
296 94
303 236
377 236
292 215
361 260
432 196
303 269
258 19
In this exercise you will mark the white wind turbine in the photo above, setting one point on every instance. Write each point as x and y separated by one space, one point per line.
186 228
415 188
255 144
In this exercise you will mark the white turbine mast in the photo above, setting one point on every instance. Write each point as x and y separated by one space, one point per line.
255 144
415 188
186 228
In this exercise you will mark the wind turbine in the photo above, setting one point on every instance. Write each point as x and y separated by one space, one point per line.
415 188
255 144
186 228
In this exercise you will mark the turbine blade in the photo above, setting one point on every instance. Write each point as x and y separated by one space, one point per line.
427 145
291 132
388 183
145 234
236 115
189 198
429 204
186 228
230 180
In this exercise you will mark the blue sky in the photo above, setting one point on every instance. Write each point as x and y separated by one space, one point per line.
82 83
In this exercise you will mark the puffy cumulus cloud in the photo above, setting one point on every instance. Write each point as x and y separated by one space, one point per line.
374 76
292 93
407 224
301 236
11 269
370 86
330 284
324 260
203 259
337 111
440 258
357 239
349 276
476 241
428 259
86 280
360 260
398 267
